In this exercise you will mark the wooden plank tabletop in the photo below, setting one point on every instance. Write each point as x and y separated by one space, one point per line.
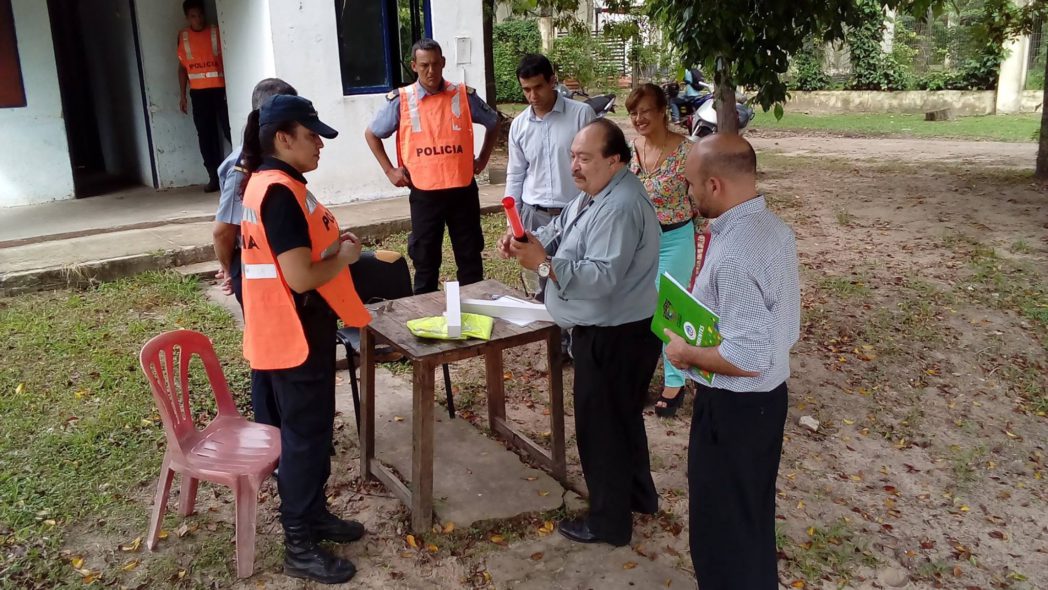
389 321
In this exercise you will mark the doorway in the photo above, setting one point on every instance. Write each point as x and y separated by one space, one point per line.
100 80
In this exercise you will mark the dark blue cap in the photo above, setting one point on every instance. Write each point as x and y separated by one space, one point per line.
281 108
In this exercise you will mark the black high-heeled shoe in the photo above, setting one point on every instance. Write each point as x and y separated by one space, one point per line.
672 404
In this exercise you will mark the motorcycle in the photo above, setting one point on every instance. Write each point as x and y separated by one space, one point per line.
602 104
699 113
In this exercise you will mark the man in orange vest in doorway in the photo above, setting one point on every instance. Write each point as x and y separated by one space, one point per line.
200 66
433 120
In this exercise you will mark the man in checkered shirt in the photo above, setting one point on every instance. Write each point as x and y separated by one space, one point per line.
750 279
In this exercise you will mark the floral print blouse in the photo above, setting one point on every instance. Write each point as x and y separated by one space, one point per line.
667 187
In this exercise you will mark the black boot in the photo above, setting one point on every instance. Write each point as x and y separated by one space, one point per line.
212 181
303 558
328 527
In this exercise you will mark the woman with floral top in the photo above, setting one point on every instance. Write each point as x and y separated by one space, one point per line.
658 160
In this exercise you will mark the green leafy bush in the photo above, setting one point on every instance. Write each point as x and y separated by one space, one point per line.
808 68
511 40
575 56
872 69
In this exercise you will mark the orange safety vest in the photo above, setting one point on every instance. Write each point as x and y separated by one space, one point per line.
200 53
435 139
273 334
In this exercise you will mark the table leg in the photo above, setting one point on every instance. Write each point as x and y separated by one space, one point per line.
556 402
422 447
496 387
367 403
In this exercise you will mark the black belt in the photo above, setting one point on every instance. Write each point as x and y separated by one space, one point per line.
672 226
550 210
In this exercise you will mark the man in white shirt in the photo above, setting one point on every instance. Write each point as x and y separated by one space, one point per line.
539 172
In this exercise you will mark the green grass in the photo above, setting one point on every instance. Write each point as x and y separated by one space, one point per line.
1015 128
830 553
506 272
81 442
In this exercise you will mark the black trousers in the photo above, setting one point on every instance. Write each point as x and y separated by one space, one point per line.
613 368
733 460
459 209
211 117
305 402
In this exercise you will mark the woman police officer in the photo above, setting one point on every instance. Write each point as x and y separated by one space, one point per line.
296 285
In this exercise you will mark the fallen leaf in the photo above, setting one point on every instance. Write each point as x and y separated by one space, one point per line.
50 522
497 539
507 376
964 508
406 553
183 530
849 422
543 493
432 548
77 562
398 418
181 573
19 388
546 528
132 546
629 565
1011 435
162 534
89 576
798 584
998 535
412 542
130 565
536 556
449 527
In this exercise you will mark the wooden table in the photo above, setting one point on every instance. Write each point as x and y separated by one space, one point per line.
389 326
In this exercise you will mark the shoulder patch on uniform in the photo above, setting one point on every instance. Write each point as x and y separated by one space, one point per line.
392 94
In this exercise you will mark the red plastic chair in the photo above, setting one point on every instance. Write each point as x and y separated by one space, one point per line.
230 451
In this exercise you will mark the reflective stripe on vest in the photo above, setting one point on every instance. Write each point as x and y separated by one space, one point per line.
273 333
435 137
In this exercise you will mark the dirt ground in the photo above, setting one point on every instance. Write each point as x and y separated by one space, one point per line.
923 356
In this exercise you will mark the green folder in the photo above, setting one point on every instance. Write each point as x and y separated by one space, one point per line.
684 315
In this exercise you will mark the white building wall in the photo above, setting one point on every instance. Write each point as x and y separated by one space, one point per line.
34 157
305 50
247 41
175 145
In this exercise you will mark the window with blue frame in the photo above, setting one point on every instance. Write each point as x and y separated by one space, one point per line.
374 42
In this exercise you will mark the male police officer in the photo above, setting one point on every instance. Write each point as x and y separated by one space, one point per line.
200 66
433 120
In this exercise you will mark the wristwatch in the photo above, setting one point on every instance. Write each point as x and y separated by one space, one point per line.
544 267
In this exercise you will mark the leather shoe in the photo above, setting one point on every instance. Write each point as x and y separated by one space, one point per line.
577 530
329 527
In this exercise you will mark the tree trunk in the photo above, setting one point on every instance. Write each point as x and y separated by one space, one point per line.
724 95
489 51
1042 149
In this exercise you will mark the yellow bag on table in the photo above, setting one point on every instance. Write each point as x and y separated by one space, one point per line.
473 326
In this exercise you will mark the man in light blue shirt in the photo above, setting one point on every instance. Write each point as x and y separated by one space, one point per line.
231 181
750 279
538 176
232 178
601 256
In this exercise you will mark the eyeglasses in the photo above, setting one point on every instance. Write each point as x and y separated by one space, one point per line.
644 112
